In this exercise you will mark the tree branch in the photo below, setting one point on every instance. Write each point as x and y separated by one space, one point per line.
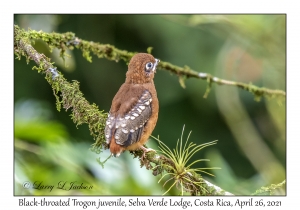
70 95
69 41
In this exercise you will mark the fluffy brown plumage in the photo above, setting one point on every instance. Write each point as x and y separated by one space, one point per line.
134 110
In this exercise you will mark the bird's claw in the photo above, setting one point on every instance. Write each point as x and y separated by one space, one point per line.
145 151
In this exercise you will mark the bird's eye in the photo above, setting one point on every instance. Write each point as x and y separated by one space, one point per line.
149 66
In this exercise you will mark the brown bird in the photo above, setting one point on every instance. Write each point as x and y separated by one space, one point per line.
134 110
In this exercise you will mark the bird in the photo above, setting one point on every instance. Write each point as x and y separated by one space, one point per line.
134 110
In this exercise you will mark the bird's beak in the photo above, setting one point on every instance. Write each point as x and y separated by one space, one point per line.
155 65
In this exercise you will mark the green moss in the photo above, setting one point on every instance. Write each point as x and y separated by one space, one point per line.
270 190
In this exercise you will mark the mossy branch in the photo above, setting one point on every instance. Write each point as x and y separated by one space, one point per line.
159 163
272 189
70 41
69 96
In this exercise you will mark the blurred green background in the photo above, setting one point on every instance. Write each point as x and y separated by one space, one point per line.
251 135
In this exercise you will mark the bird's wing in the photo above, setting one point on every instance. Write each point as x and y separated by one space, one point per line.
128 129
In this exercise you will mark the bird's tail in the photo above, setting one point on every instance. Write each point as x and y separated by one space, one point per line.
115 148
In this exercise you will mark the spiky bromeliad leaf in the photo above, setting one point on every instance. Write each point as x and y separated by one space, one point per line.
181 171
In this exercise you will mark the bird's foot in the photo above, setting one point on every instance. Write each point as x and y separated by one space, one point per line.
145 151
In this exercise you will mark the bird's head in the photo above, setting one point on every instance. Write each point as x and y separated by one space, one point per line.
141 68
